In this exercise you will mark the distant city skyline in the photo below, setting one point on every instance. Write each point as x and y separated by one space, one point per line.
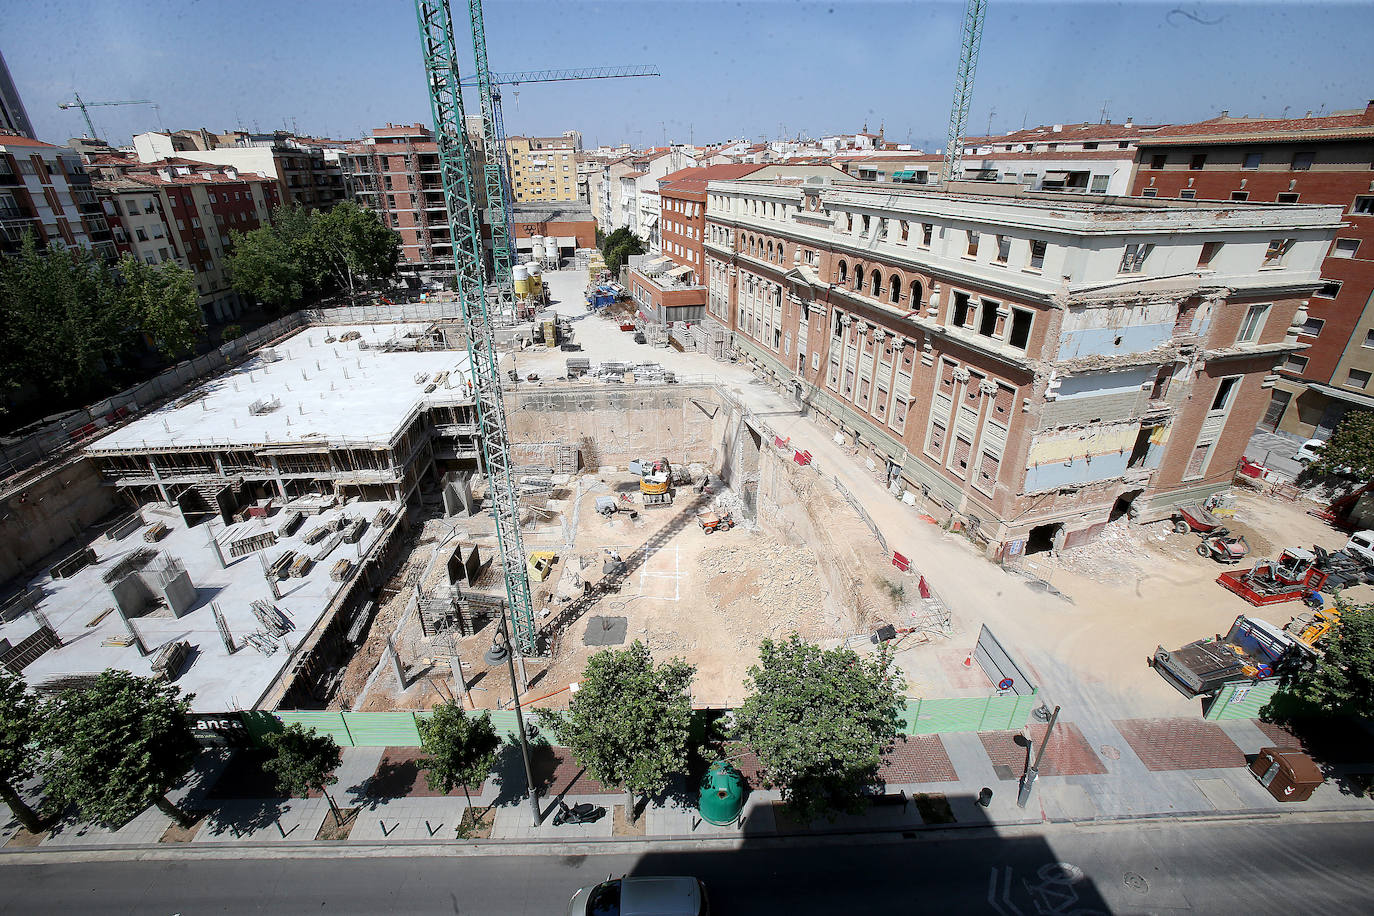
743 70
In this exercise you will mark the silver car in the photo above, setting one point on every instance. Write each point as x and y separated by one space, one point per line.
633 895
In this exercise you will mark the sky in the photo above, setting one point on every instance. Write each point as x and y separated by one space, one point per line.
747 69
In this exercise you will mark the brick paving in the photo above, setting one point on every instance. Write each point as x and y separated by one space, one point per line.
918 758
399 775
1180 744
1068 754
562 774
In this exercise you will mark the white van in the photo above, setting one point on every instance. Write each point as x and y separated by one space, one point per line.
1361 544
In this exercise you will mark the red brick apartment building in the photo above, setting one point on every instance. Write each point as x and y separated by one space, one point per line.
1031 363
1321 160
395 173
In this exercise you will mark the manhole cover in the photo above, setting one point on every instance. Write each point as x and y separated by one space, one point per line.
1003 771
1136 882
1111 753
605 631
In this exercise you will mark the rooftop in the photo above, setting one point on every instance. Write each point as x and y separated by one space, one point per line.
328 391
1072 133
1225 129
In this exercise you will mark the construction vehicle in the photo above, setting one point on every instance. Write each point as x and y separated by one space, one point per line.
541 562
1252 648
1224 548
715 521
1312 627
654 482
1343 568
1288 578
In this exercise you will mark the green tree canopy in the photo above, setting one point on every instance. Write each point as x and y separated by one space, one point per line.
461 748
617 248
265 266
820 721
1351 447
629 721
303 761
19 724
161 301
352 246
1342 682
117 747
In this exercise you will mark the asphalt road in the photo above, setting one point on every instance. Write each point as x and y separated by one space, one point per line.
1244 867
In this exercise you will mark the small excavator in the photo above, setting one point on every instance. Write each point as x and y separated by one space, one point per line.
655 482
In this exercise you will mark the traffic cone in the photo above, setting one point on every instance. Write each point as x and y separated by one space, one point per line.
968 660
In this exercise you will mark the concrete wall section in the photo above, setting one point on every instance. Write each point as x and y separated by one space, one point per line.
49 512
1116 330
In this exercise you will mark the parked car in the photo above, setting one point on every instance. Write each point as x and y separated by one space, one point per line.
640 338
633 895
1309 451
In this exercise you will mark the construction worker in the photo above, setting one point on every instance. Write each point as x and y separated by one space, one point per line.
1314 599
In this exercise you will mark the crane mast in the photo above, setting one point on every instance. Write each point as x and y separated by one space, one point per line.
456 174
82 104
495 167
971 41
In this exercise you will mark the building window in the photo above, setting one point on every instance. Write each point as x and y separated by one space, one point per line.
1312 327
1368 339
1358 378
1209 253
1225 390
987 318
1187 194
1003 249
1277 252
1157 160
1133 259
972 250
875 288
1302 161
906 229
927 228
1364 206
1100 184
1020 328
1197 162
1252 161
895 291
1345 248
1295 363
1251 325
1240 196
1037 254
961 308
1149 192
1329 289
1288 197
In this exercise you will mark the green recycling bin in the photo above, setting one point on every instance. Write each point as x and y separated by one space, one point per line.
722 794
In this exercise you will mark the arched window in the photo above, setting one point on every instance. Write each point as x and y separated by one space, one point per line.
896 291
858 278
770 251
916 294
876 284
780 252
843 275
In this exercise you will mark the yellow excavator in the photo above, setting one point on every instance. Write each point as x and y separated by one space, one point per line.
654 480
1310 628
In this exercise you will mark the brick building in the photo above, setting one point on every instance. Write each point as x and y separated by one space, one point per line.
1031 363
307 170
395 173
183 211
44 189
1321 160
543 168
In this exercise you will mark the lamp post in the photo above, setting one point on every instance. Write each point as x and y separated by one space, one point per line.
520 722
1033 770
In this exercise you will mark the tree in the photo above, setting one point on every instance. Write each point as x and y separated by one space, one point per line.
618 247
161 301
820 722
1342 681
304 760
629 721
349 243
62 319
19 723
1351 447
117 747
461 748
263 265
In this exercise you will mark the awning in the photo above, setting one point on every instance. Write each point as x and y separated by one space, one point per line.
904 175
1056 176
679 271
1340 394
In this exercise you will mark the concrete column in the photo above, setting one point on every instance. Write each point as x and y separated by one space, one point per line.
157 478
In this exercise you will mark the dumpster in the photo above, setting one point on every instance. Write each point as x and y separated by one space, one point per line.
1288 773
722 794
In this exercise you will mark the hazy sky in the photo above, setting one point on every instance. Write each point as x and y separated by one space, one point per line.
729 70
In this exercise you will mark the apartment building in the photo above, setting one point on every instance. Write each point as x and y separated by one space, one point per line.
183 211
1310 160
306 173
13 117
543 168
1063 138
1032 364
395 173
898 166
44 189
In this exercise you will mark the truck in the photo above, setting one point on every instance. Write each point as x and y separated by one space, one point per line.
1252 648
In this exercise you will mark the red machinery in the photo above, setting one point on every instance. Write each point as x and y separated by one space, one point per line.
1276 581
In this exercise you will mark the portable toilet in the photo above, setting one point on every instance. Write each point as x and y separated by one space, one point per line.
722 794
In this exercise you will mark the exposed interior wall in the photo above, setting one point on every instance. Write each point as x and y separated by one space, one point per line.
612 425
49 511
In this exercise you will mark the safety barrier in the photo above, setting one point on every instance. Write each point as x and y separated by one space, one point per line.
1241 699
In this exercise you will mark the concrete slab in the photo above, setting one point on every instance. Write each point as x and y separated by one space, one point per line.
1220 793
1065 800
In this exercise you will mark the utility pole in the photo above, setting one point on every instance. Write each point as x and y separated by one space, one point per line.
520 726
1028 780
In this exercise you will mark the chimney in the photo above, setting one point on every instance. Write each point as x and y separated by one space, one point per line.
1368 113
1130 122
1225 113
1309 113
1058 127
